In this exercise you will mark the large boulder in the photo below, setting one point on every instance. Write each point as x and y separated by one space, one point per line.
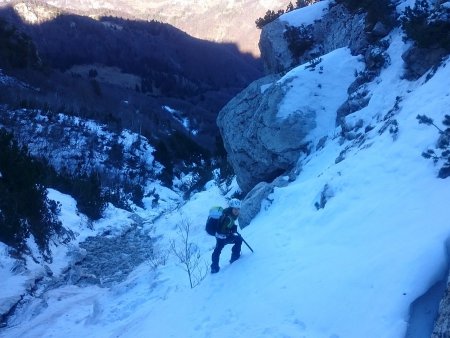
261 147
269 125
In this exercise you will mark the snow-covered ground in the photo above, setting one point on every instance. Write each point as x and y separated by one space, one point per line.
348 270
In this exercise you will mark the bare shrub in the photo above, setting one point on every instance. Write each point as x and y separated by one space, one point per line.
188 254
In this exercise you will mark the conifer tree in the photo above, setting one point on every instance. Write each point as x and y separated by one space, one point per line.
25 209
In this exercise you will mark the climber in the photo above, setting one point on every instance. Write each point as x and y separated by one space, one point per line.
227 234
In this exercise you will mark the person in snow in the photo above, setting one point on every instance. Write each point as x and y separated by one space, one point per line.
227 234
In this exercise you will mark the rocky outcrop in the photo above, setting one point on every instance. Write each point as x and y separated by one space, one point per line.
274 48
338 28
419 60
431 46
260 146
269 125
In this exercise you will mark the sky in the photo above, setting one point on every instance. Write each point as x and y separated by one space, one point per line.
351 269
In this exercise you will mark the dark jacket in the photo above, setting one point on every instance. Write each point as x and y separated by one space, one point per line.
226 222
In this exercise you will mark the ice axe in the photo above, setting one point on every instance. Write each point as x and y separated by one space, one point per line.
243 240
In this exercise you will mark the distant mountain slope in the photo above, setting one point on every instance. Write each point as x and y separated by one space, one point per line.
117 68
214 20
137 47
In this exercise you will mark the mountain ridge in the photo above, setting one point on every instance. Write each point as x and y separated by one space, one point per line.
197 18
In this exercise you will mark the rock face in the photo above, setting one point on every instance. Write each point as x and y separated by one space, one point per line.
269 125
338 28
260 146
419 60
274 48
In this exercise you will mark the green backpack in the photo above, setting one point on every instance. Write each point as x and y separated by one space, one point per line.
213 220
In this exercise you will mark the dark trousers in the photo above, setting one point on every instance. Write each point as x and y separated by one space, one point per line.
220 243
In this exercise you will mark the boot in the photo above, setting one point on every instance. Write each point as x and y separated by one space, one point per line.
234 258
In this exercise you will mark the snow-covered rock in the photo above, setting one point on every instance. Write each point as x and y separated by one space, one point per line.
265 130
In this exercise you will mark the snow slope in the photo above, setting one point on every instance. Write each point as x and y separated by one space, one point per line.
348 270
